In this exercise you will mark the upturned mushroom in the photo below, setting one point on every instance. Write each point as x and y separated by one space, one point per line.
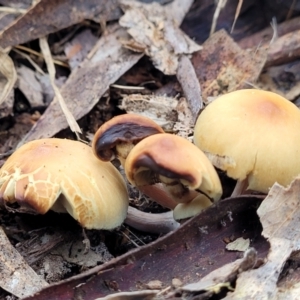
252 135
116 137
65 176
185 172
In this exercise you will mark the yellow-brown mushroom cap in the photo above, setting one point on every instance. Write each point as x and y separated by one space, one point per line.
127 129
65 176
169 156
252 134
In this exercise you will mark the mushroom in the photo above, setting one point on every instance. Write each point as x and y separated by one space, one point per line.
115 138
180 166
65 176
252 135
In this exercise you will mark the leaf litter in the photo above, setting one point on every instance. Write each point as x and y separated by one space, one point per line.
202 73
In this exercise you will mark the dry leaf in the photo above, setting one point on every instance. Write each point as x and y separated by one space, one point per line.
223 67
280 215
16 276
8 71
6 108
290 293
224 276
30 86
152 26
77 49
239 244
46 17
188 253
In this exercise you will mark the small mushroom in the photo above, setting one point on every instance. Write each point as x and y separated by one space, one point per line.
180 166
252 135
115 138
65 176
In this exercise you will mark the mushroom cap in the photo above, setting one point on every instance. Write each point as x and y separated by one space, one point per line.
65 176
122 130
252 134
172 157
190 209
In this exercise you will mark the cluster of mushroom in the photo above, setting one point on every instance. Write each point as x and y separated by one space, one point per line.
169 169
235 133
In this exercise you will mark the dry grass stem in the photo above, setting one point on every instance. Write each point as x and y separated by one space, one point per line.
221 4
58 96
36 66
237 13
11 10
28 50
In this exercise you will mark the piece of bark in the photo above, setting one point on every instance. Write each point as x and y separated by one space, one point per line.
187 77
188 253
46 17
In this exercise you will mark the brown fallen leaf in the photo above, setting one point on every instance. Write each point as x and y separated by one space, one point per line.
16 275
222 66
279 214
46 17
188 253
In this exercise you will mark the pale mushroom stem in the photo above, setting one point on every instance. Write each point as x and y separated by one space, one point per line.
159 194
153 223
240 188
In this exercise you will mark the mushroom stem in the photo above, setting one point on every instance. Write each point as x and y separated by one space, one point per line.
153 223
240 188
158 193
